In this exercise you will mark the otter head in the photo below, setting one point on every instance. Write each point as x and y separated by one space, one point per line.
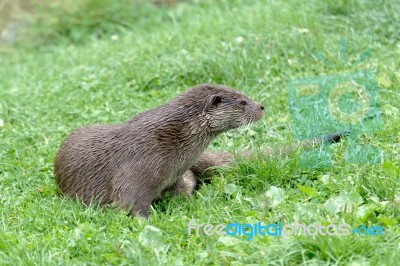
225 109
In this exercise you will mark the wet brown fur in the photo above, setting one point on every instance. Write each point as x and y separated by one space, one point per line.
134 163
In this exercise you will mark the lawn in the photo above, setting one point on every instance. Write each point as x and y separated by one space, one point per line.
106 61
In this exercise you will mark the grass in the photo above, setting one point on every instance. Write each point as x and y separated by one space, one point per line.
68 70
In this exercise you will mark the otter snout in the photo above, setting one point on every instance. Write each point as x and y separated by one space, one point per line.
258 111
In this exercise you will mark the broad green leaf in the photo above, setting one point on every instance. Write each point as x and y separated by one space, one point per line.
252 201
275 195
388 221
364 211
310 191
397 196
390 169
347 200
230 189
151 237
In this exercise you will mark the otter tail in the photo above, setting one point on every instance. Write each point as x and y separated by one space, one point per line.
205 166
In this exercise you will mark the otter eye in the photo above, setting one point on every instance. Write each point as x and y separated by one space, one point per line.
243 102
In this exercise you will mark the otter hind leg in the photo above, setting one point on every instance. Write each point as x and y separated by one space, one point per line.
185 185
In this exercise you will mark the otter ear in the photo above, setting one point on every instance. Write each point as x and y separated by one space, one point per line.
212 100
216 100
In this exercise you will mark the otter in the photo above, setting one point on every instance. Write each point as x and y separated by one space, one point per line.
158 151
134 163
